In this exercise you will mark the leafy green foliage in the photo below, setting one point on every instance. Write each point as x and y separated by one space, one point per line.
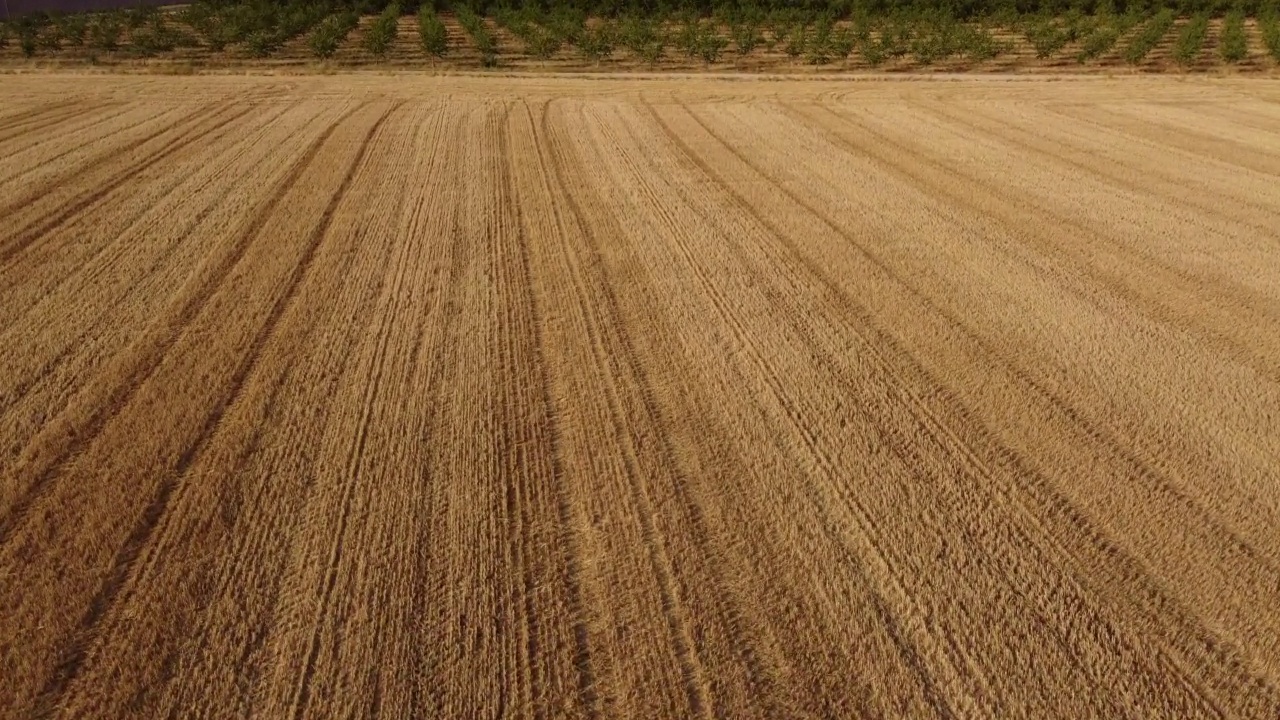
297 18
152 39
1191 40
1233 48
1098 42
1269 24
818 33
329 33
1047 36
597 43
978 44
158 36
894 40
1148 37
797 39
843 41
29 29
686 38
382 31
211 26
105 31
936 38
640 35
532 28
432 34
260 44
710 45
28 41
139 16
1107 31
746 36
200 17
818 47
569 23
543 43
73 27
50 37
484 40
263 26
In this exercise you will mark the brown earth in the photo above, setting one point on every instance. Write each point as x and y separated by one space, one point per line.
483 397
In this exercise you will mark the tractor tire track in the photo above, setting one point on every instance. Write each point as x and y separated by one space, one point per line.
1142 463
1225 655
691 667
72 431
100 265
355 457
510 397
588 695
1200 291
36 116
76 648
29 234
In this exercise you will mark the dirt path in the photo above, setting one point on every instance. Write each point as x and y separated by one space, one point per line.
543 397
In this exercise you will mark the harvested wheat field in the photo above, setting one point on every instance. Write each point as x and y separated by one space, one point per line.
686 398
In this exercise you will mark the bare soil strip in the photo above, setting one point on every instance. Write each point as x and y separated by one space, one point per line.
463 397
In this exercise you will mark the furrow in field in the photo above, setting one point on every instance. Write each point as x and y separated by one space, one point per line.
40 155
474 661
55 170
530 453
60 251
51 204
20 116
39 114
640 561
146 230
907 448
1250 114
752 674
755 659
1104 216
44 164
1237 450
1190 639
339 503
341 493
621 436
912 452
131 479
158 594
41 230
791 401
1206 144
1043 251
522 448
550 398
249 600
421 313
553 217
1181 118
82 278
103 305
1224 198
66 434
56 129
576 685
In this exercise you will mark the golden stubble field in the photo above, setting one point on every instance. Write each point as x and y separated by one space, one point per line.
461 397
